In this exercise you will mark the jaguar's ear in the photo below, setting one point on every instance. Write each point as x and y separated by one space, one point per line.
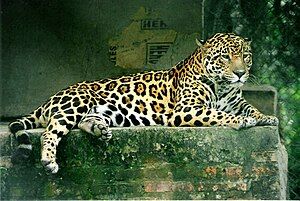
248 40
200 43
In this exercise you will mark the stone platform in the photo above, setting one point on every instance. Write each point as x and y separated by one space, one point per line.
153 163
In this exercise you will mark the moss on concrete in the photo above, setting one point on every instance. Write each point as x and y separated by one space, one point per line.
152 162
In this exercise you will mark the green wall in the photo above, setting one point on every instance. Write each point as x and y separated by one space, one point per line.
48 45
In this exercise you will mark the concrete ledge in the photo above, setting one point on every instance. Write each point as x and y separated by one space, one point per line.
263 97
153 163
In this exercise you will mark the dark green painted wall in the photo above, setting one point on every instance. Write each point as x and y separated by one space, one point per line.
48 45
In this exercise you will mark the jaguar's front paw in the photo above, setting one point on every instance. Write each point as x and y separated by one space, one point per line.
244 122
268 121
249 122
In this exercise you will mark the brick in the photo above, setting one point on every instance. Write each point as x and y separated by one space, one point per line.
168 186
264 156
233 171
211 170
237 185
260 170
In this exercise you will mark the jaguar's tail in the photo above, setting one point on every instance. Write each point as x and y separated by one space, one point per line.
28 122
23 138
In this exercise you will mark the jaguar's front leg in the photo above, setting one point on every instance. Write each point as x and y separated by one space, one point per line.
246 109
199 115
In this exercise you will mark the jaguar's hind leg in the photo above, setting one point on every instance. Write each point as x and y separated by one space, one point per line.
49 142
58 126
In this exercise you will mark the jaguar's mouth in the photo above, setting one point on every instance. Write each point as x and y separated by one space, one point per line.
237 83
235 80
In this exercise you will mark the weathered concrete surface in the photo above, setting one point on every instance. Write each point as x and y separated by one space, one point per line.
153 163
263 97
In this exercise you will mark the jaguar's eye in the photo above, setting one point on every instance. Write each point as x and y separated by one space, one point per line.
226 57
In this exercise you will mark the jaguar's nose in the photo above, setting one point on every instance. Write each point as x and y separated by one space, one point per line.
239 73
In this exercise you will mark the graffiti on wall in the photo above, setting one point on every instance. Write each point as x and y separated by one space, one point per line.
143 42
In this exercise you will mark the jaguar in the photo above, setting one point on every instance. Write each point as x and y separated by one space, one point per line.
201 90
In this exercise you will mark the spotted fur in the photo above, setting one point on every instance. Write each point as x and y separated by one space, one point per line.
201 90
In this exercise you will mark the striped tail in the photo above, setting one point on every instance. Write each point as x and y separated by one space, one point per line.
29 122
18 128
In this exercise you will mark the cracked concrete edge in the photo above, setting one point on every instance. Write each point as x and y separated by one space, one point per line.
282 160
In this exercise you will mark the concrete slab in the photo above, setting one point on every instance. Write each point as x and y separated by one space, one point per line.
153 163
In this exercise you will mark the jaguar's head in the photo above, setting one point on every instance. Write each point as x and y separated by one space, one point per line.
227 57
